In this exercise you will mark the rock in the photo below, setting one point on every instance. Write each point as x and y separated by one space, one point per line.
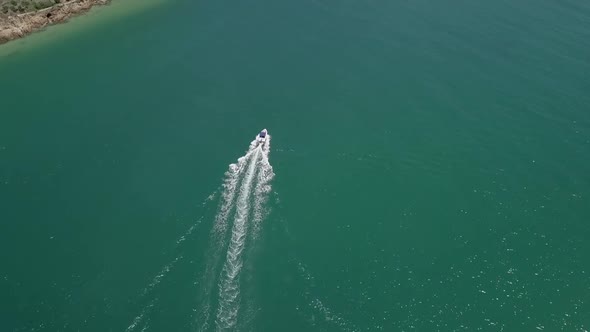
13 27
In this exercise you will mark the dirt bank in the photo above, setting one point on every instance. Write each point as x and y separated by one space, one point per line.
18 26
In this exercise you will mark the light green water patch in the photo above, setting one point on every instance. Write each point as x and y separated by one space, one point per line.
93 19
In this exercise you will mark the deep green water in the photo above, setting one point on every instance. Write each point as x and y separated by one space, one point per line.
431 160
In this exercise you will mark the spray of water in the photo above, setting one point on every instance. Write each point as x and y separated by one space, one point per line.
147 292
245 190
241 210
229 286
250 204
262 190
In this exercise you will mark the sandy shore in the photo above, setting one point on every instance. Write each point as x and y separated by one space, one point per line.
18 26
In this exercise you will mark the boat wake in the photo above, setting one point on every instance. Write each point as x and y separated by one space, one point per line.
236 225
318 313
238 221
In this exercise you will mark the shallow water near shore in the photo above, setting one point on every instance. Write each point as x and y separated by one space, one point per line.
97 16
428 169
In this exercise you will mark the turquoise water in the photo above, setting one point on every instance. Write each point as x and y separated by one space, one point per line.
430 169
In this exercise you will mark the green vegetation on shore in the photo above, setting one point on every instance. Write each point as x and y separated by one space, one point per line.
11 7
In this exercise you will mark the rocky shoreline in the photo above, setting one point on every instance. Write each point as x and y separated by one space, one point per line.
17 26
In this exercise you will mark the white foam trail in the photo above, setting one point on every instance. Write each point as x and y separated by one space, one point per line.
331 317
156 280
166 269
229 285
263 188
233 184
232 177
189 232
317 305
137 321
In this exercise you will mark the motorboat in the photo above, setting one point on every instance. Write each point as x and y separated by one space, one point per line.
262 136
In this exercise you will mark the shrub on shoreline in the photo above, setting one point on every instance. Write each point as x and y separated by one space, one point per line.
10 7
